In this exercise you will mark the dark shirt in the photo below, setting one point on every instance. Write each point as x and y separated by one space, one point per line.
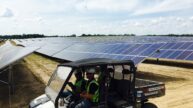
93 87
83 86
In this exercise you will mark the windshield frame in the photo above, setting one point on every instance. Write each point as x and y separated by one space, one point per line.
57 93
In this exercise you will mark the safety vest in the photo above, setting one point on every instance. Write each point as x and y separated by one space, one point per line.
95 97
78 85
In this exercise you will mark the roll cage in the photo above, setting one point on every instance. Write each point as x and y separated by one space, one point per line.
107 82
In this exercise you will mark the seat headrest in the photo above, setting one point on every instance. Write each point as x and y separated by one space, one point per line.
110 70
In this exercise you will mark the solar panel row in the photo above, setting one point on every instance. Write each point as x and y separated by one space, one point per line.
73 50
73 56
124 49
51 49
179 45
178 51
174 54
9 54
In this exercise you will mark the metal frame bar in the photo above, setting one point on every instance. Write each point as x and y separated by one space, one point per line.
2 81
10 82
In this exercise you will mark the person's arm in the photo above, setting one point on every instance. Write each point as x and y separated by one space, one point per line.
71 86
86 96
89 96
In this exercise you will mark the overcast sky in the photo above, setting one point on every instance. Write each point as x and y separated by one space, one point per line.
65 17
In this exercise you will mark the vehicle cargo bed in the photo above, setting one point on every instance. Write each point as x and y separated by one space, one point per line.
149 89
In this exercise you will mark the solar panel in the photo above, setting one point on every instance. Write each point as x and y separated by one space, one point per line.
177 45
168 45
108 49
14 55
166 53
130 49
76 47
71 56
112 49
120 48
89 55
147 52
137 60
184 54
51 49
157 45
140 49
119 57
128 57
171 48
190 57
186 45
98 48
174 55
158 53
190 47
62 55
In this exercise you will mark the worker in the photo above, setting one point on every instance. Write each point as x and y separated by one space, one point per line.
79 85
91 96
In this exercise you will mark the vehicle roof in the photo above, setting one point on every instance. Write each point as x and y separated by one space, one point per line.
96 61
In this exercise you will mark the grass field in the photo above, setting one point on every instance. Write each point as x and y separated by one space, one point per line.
179 82
1 43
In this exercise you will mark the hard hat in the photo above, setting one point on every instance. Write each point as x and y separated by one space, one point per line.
91 70
77 71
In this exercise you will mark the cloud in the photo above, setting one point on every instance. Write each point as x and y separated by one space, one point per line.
179 19
138 24
6 12
165 6
33 19
97 16
106 5
191 18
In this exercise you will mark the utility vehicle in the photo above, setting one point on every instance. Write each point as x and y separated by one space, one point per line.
118 85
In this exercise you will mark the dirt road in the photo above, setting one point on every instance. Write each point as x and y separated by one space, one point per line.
179 85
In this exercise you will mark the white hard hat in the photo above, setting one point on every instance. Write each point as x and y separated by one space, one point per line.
91 70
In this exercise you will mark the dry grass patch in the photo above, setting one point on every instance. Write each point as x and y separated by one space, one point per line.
41 67
179 84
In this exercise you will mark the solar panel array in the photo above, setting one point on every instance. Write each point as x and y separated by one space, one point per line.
178 51
9 53
72 50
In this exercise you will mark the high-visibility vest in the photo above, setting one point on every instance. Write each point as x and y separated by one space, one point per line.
78 85
95 97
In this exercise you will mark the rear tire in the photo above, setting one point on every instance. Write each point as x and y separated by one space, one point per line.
149 105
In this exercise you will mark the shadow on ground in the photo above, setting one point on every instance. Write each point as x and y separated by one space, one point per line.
27 87
157 77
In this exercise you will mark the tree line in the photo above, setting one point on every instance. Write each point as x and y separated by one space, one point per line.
174 35
25 36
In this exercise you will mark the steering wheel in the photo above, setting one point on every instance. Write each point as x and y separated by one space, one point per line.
73 96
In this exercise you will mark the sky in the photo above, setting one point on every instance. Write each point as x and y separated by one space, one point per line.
66 17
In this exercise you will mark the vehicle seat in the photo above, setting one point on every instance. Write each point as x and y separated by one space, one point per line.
119 91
